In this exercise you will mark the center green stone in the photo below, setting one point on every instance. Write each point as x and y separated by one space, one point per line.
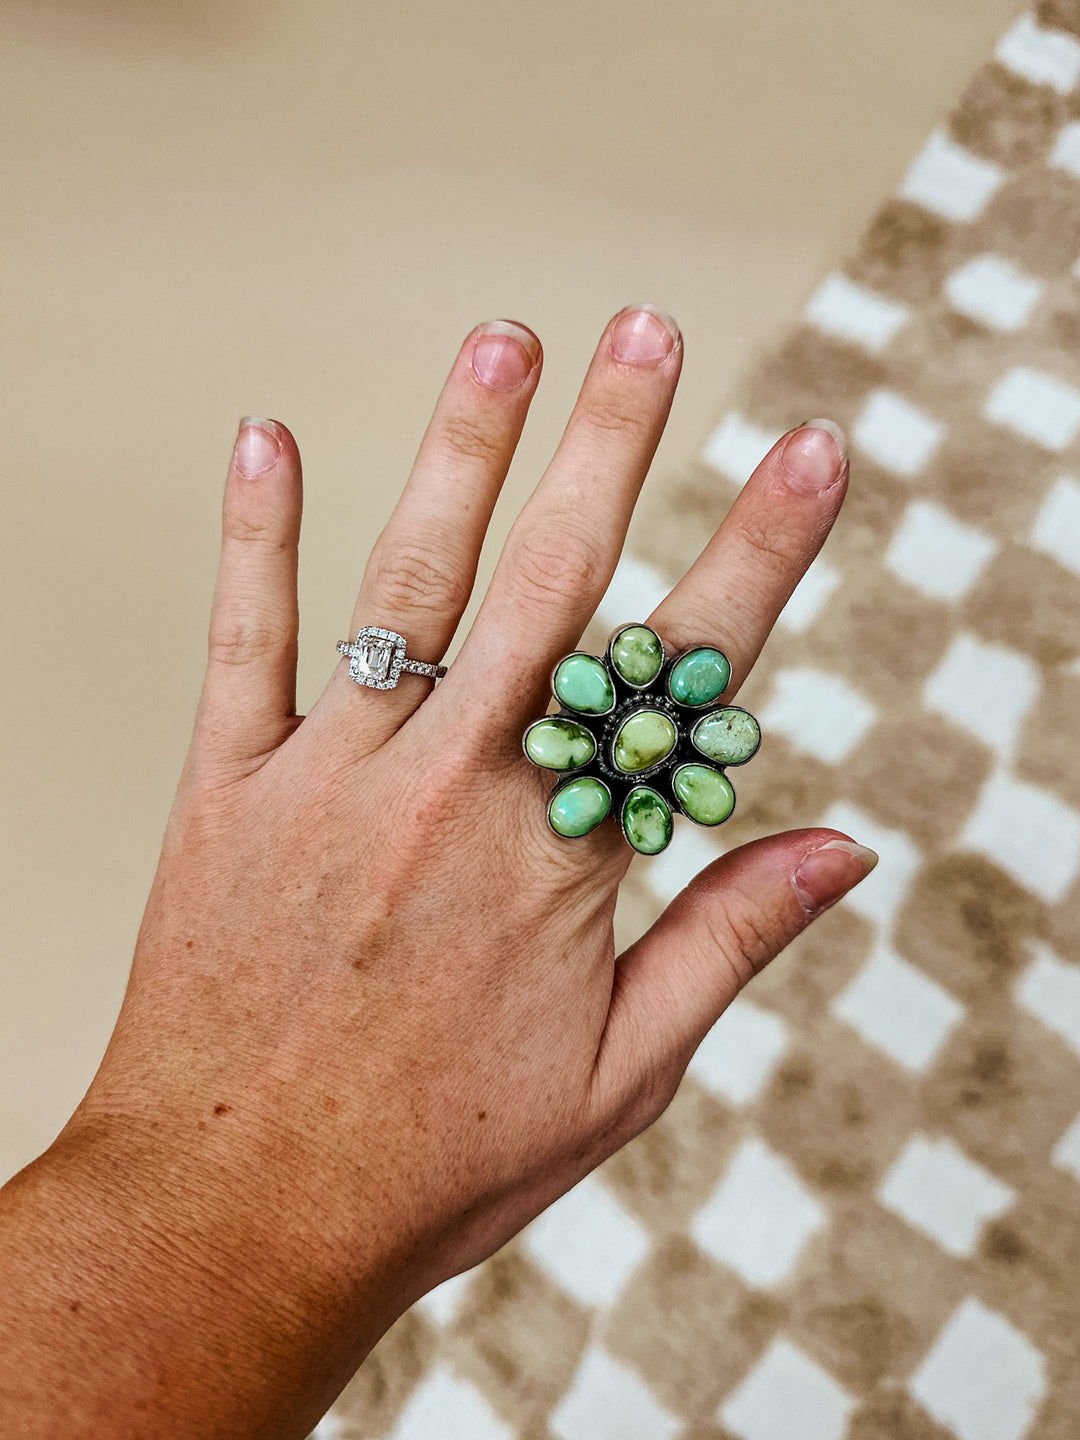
579 806
704 793
637 654
581 682
700 677
644 739
646 820
729 736
556 743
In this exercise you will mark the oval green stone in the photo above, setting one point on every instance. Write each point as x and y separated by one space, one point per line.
704 794
581 682
700 677
579 806
637 654
729 736
555 743
645 738
646 820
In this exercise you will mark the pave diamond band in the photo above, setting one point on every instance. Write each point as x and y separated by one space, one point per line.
377 658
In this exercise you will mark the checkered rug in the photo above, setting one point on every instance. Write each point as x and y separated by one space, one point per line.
860 1219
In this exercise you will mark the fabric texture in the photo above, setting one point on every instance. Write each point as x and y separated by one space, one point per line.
860 1218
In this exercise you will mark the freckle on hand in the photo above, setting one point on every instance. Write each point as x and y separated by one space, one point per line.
221 1109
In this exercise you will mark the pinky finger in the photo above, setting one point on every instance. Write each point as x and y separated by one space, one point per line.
248 702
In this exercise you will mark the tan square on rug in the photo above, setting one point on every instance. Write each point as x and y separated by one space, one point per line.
860 1219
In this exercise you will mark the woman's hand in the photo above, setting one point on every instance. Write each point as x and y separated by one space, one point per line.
375 1021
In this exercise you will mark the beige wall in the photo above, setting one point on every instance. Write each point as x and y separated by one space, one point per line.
298 209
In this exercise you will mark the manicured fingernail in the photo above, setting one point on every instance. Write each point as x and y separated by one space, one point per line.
504 354
827 874
258 446
643 335
814 456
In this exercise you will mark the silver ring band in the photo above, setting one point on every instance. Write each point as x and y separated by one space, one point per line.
377 658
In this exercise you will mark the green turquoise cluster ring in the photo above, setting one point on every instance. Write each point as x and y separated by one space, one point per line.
643 736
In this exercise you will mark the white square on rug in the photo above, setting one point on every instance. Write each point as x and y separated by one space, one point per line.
738 1056
1056 531
809 597
636 589
936 554
935 1187
587 1242
985 689
787 1396
1067 1150
818 713
1042 57
949 180
1066 152
899 1009
1038 406
759 1217
451 1408
1030 832
608 1401
983 1379
897 434
736 448
848 311
443 1304
1049 988
991 290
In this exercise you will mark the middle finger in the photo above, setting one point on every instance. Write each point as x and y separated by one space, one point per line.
563 547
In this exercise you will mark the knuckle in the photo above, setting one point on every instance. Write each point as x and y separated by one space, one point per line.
553 563
248 528
746 939
470 438
770 541
445 803
243 639
616 413
412 577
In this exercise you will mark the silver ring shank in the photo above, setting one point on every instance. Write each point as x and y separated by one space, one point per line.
422 667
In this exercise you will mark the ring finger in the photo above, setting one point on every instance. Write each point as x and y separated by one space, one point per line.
422 567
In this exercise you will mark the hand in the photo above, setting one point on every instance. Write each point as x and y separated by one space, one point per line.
375 1021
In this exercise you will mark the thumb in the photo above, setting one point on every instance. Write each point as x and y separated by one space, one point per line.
730 921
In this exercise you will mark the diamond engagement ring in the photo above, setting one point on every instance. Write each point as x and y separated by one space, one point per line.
377 657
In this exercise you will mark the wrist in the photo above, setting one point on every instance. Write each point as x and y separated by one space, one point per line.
137 1278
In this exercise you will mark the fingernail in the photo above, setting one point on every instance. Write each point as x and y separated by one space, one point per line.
258 447
643 335
827 874
504 354
814 456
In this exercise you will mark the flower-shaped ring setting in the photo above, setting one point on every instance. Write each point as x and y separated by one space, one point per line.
641 735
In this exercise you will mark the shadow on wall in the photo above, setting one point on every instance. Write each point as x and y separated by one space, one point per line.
134 26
